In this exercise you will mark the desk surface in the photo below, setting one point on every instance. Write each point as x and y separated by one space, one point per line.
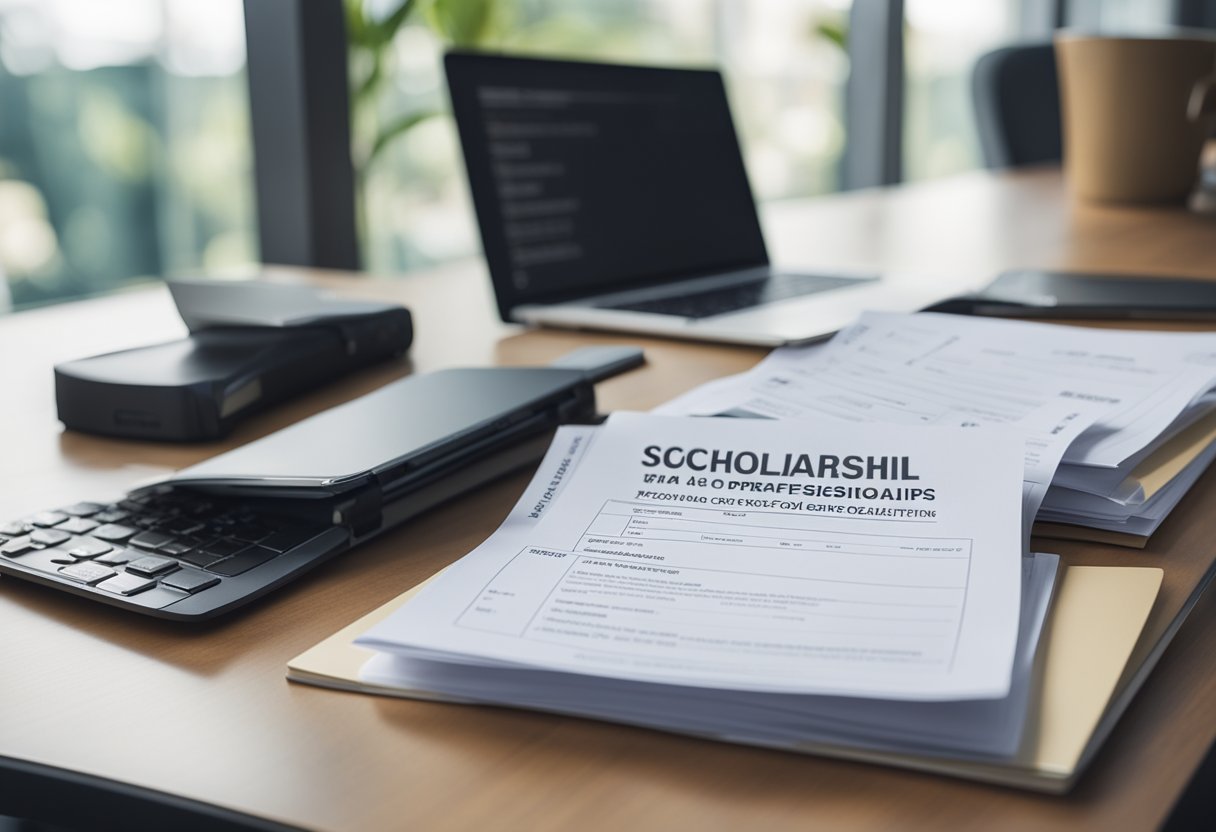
205 712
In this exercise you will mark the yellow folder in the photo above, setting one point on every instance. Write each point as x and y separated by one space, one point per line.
1157 469
1096 618
1153 473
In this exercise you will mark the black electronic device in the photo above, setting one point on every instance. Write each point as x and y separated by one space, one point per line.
218 534
1032 293
252 344
615 197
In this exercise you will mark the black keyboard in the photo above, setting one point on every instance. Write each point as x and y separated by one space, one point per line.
173 555
769 289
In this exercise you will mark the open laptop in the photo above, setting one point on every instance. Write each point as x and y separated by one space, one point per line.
615 197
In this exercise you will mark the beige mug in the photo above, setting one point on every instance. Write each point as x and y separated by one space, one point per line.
1123 102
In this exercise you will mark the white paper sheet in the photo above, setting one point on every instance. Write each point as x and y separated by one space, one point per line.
745 575
979 728
1049 428
947 369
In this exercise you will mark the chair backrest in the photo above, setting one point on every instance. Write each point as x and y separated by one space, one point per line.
1017 105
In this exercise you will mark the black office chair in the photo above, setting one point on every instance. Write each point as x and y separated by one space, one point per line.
1017 105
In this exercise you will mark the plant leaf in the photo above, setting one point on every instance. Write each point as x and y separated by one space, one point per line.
395 129
356 23
367 87
836 32
462 22
388 27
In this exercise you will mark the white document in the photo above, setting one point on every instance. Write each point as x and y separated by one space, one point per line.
984 728
1121 483
1048 428
754 556
948 369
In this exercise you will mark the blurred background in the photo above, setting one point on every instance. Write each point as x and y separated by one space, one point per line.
126 148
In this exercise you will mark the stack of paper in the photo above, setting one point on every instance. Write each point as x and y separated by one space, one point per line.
1134 497
754 581
1095 620
1140 406
823 588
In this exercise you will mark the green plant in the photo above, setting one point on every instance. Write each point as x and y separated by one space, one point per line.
835 31
369 44
371 61
466 23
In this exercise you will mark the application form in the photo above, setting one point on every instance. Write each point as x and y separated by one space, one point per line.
979 727
821 558
934 369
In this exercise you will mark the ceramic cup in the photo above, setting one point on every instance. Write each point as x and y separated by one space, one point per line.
1123 101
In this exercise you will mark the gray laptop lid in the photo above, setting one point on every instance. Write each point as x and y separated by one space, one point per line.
210 303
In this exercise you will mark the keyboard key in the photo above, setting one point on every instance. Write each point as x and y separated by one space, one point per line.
223 548
150 540
212 530
87 572
76 525
179 546
15 529
199 558
17 546
83 509
117 557
113 533
181 525
189 580
249 532
246 560
49 537
85 549
286 539
113 515
151 565
46 519
127 584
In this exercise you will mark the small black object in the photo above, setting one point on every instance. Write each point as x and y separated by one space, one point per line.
252 345
1047 294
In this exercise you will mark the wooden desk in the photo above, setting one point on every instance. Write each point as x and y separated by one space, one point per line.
205 713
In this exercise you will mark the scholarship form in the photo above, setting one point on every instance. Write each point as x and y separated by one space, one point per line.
817 558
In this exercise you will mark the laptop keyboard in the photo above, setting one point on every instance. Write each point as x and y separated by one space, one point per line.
175 544
769 289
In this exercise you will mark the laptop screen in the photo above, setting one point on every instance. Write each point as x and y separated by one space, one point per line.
589 178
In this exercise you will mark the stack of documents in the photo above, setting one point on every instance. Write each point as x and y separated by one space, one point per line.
760 581
819 587
1134 497
1122 423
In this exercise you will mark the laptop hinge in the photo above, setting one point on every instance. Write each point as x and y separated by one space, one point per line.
363 513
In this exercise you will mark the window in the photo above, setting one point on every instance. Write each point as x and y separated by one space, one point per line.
783 62
124 144
125 138
942 42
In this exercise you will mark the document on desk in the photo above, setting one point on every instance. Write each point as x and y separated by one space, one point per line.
754 556
948 369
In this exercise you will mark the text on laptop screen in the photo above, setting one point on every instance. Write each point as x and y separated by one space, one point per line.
590 177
